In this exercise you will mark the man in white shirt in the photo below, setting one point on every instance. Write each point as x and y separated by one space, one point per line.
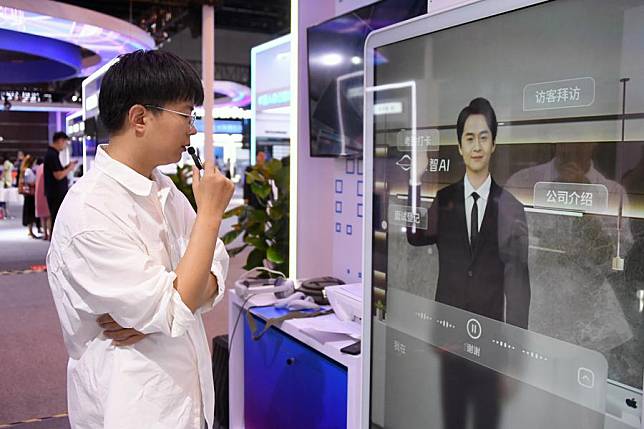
132 267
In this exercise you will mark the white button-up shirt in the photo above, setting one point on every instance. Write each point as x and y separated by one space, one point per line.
117 240
481 204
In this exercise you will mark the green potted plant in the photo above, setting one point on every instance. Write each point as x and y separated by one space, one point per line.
183 181
264 229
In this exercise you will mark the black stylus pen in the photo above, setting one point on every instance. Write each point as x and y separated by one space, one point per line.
195 157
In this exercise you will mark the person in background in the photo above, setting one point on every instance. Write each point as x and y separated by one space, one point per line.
227 169
20 156
5 182
27 187
7 171
42 209
56 183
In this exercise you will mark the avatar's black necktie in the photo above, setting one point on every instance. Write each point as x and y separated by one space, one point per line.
474 220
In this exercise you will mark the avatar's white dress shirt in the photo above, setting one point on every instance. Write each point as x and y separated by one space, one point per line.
481 204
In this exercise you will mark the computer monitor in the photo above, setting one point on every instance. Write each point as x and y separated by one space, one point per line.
335 50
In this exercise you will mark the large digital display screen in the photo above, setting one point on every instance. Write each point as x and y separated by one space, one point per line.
507 218
335 55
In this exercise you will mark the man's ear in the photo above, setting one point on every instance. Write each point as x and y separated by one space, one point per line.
459 149
136 118
493 147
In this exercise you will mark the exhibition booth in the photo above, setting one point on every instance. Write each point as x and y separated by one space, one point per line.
270 82
423 291
534 322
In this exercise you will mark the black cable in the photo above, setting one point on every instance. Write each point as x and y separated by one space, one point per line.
232 336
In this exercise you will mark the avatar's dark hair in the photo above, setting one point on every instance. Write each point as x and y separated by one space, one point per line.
478 106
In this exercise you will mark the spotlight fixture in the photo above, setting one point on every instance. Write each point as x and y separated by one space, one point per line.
331 60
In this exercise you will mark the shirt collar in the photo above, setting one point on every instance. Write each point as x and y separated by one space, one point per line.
124 175
483 190
164 185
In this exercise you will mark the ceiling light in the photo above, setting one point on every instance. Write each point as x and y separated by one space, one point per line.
331 59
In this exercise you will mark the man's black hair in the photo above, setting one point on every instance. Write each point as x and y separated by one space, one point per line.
478 106
59 135
147 78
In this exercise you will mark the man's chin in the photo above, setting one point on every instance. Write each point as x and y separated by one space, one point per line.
179 156
173 159
169 161
477 168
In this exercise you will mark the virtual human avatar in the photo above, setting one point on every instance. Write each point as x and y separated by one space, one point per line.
481 234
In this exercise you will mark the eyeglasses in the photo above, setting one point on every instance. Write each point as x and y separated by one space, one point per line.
192 117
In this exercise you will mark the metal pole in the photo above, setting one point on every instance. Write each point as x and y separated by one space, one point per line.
618 261
208 75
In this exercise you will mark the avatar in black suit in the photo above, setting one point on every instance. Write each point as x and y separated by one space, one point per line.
482 262
489 278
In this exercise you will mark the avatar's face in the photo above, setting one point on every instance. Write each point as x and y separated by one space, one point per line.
477 144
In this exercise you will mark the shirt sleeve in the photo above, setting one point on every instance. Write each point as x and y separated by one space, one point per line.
53 163
108 272
220 260
30 177
513 251
219 268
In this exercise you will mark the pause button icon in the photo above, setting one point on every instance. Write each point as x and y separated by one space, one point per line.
474 329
